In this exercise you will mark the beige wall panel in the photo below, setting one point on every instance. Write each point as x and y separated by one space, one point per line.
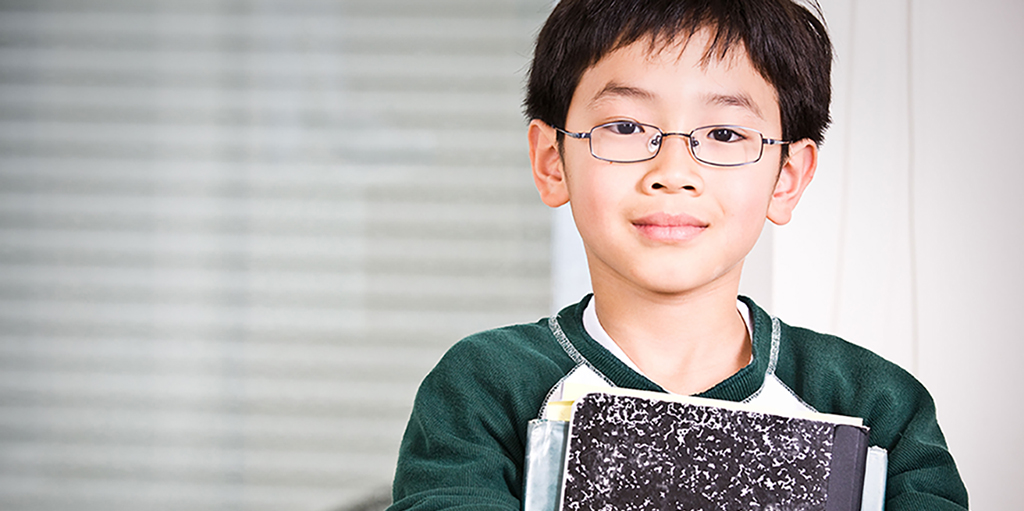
844 263
909 240
968 66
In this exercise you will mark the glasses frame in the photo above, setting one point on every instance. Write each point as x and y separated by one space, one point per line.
689 137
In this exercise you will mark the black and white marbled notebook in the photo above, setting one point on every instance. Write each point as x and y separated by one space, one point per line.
631 453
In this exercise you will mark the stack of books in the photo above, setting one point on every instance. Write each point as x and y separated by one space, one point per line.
619 449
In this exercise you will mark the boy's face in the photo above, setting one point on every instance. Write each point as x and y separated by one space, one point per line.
670 225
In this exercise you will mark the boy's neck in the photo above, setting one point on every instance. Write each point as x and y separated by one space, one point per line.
686 343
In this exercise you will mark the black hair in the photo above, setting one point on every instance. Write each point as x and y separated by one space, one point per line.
786 42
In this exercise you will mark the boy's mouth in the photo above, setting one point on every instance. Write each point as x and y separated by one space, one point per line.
669 228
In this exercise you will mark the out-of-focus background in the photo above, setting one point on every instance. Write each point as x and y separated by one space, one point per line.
234 235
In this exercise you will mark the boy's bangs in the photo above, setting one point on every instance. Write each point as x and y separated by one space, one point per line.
723 40
785 42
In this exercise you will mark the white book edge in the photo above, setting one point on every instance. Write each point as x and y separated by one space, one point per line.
875 470
574 391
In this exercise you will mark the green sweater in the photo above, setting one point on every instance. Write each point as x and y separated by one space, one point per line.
465 442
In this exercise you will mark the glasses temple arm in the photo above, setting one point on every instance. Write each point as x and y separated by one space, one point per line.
572 134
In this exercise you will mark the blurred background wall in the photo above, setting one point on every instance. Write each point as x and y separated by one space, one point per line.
911 239
234 236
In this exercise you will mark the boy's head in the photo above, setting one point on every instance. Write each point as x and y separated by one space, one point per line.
691 123
785 42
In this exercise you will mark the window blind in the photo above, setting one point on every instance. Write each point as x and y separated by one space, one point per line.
235 235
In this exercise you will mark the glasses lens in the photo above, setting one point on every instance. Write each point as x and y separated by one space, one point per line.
726 145
625 141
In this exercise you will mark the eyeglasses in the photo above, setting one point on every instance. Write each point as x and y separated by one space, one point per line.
719 145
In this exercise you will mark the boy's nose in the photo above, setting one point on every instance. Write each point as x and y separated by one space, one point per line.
674 169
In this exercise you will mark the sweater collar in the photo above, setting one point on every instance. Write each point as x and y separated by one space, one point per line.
737 387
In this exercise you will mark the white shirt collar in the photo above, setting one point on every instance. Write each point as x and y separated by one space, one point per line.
593 327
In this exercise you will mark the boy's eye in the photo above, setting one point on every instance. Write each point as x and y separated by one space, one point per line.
725 135
625 128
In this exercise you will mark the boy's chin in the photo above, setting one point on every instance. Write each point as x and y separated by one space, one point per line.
678 284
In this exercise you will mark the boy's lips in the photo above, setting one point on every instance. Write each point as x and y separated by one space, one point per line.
669 228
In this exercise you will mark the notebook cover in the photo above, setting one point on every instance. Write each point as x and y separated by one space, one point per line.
632 453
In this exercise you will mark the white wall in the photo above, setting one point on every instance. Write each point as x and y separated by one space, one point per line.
909 240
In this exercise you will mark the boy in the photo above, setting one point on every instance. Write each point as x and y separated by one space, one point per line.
673 129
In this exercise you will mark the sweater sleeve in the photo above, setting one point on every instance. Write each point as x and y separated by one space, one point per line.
922 473
835 376
464 444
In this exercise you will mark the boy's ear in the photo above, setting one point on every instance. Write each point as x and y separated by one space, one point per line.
795 175
546 160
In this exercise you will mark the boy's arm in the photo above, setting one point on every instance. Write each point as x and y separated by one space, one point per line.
464 445
452 456
922 473
835 376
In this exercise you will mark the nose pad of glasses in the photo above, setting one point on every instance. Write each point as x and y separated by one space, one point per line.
653 144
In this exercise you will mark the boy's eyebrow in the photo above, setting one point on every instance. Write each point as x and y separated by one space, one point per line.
741 100
617 89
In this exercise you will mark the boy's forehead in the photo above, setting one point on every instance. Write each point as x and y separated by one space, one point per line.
624 71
